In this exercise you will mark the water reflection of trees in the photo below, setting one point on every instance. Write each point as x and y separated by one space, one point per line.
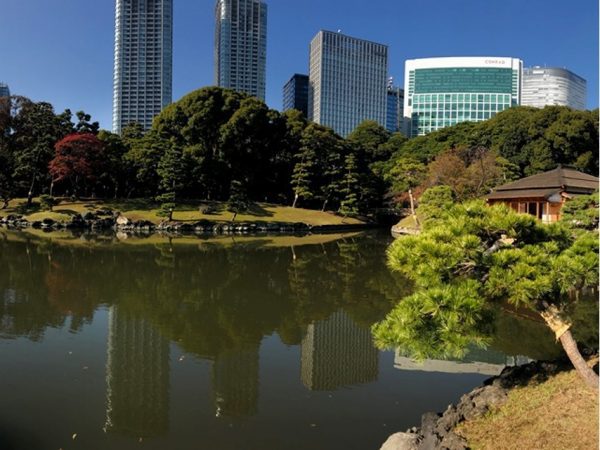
207 300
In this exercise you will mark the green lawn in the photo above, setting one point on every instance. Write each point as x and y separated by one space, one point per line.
138 209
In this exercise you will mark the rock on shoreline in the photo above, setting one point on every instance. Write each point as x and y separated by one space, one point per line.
437 429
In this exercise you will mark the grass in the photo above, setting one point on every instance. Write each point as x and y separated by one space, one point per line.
139 209
408 222
560 413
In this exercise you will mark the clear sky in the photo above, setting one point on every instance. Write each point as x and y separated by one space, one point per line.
61 51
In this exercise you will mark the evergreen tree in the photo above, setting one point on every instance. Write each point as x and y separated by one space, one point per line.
478 254
350 187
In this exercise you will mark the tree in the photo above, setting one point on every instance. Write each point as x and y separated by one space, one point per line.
238 199
406 174
350 187
84 125
435 203
315 163
34 131
581 212
479 254
78 158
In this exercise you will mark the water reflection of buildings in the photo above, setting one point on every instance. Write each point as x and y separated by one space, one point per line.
137 377
235 381
485 362
337 352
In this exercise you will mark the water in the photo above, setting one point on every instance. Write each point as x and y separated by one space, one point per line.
231 344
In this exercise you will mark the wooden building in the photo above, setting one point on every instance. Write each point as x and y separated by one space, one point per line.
543 195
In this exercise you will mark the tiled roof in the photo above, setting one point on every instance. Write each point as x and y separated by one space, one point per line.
561 179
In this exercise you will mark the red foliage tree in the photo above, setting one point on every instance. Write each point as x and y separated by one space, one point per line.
77 160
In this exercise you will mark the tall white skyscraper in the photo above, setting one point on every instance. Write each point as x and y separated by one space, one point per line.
143 71
347 81
241 46
544 86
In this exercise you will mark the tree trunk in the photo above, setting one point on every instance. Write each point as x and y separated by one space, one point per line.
412 207
295 200
30 193
560 327
324 205
581 366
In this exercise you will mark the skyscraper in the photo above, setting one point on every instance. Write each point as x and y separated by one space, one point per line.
336 352
143 71
295 93
241 46
395 108
441 92
347 81
4 91
553 86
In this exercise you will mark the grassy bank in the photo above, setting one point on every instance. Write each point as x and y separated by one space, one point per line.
559 413
140 209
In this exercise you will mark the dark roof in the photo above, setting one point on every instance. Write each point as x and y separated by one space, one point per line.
546 184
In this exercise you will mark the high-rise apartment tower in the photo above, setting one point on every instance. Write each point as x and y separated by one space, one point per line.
347 81
241 46
440 92
544 86
142 81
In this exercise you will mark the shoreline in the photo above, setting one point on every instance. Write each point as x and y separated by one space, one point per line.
438 430
120 223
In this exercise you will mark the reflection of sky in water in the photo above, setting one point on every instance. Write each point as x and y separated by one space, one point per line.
238 348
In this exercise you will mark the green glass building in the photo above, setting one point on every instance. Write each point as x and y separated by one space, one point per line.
441 92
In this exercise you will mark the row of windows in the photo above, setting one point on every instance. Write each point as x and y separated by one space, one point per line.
467 98
476 79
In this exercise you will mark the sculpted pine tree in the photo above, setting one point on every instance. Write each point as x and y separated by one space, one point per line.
475 255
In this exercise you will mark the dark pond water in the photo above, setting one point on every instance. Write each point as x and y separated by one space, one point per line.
239 344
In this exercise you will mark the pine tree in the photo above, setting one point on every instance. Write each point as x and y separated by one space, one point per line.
350 187
475 255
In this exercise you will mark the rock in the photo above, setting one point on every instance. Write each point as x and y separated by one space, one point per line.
122 221
88 216
401 441
453 441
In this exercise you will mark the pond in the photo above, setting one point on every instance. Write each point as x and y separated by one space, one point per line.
236 343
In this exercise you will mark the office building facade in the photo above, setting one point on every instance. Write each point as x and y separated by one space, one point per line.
347 81
544 86
441 92
143 67
241 46
395 108
295 94
4 90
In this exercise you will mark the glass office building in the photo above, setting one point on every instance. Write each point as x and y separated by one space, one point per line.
544 86
395 109
347 81
241 46
441 92
143 70
4 91
295 94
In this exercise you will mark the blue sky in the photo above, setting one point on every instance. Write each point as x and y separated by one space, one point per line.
61 51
